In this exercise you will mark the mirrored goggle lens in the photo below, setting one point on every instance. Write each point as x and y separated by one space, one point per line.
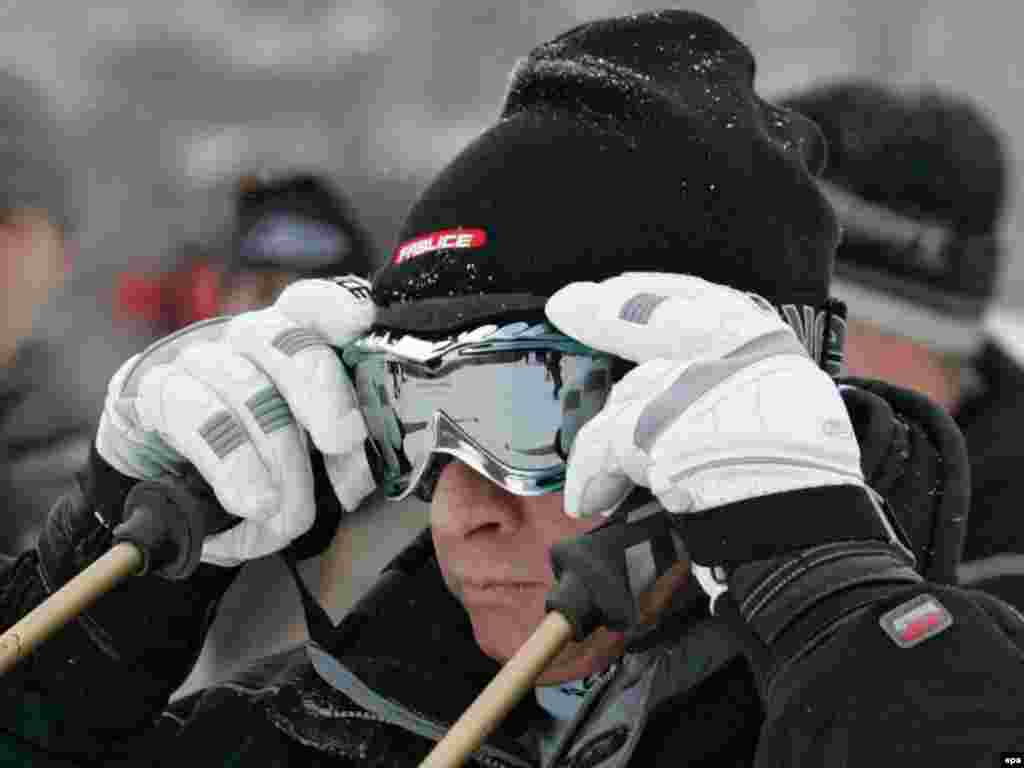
511 415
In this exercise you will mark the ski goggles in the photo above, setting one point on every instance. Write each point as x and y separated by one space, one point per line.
508 401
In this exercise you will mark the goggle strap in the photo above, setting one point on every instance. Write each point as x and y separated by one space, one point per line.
319 623
822 330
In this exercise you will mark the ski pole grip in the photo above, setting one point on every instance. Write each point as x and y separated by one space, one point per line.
167 520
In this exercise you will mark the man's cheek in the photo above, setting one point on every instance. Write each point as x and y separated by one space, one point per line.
452 583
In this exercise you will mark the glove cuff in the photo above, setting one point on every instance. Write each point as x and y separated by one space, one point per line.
767 527
105 488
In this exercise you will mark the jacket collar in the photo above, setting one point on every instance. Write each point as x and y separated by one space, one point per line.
406 651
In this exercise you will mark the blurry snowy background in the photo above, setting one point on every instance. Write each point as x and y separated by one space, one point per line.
167 102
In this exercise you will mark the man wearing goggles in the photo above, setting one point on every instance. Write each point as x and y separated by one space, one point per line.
634 356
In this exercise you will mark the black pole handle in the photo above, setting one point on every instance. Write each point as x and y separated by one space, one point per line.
600 574
167 519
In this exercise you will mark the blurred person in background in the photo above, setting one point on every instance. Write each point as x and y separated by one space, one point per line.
919 181
290 226
287 226
44 436
188 292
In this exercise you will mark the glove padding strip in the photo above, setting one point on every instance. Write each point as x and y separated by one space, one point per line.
223 433
294 340
270 410
639 308
700 378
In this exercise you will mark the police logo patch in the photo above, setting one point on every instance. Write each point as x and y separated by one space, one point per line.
916 620
446 239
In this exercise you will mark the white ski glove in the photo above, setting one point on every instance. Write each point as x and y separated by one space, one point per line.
239 398
725 404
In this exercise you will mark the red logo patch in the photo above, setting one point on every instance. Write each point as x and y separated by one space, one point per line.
916 620
439 241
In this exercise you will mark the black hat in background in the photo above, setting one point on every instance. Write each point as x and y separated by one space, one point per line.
634 143
33 153
918 179
298 223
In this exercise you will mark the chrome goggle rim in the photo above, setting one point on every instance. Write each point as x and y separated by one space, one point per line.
449 439
452 440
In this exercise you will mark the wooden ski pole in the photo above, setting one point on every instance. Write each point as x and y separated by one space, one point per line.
503 692
123 560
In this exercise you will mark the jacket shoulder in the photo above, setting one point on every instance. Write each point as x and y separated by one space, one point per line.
915 456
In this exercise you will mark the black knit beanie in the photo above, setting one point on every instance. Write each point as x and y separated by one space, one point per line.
918 180
298 223
634 143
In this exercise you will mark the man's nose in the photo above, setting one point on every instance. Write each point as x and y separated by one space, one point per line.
472 505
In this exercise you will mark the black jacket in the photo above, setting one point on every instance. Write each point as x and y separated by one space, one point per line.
992 420
44 440
403 664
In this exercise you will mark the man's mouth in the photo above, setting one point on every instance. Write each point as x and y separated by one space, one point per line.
500 584
499 588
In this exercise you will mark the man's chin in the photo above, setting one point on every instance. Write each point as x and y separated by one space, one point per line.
500 634
501 641
579 660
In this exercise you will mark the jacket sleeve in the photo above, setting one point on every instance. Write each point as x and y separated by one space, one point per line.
100 681
993 557
956 697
